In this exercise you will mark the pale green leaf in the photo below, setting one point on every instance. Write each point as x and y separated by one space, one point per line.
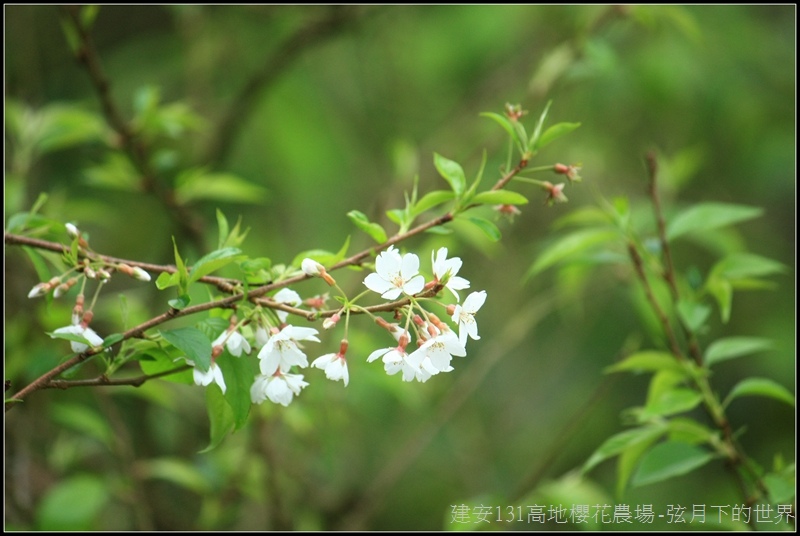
760 387
499 197
732 347
622 441
570 245
452 172
706 216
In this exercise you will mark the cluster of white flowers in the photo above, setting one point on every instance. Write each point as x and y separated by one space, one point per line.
280 345
437 343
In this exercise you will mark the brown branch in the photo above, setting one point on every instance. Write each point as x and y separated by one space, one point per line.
230 301
104 380
662 317
669 269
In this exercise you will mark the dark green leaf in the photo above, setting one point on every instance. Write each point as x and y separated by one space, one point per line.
113 339
220 414
238 374
192 342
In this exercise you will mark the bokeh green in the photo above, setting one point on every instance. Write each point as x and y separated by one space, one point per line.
344 121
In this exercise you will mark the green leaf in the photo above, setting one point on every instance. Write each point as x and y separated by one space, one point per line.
671 402
112 339
508 126
220 415
67 126
781 487
622 441
166 280
213 262
722 291
238 374
177 471
760 387
196 184
193 343
647 361
553 133
499 197
693 315
73 504
686 430
537 132
116 172
372 229
746 265
451 172
732 347
670 459
570 245
84 420
431 200
706 216
222 224
489 228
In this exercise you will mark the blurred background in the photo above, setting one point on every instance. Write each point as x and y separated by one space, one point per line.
306 113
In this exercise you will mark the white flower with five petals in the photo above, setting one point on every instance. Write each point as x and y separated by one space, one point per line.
464 316
436 353
288 297
280 387
395 274
445 271
334 365
282 350
396 360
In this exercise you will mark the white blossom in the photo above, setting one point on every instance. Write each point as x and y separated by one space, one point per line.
86 332
280 387
437 352
236 343
282 349
397 360
213 374
334 365
445 271
288 297
395 274
464 316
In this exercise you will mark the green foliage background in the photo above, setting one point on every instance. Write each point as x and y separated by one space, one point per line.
345 123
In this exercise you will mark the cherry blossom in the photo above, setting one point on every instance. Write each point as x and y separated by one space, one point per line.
445 271
289 297
439 350
234 341
84 331
464 316
213 374
280 387
282 349
395 274
334 365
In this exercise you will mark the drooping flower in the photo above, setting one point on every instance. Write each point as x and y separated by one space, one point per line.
289 297
334 365
234 341
81 329
395 274
555 193
279 387
570 172
213 374
395 359
464 316
282 349
445 271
